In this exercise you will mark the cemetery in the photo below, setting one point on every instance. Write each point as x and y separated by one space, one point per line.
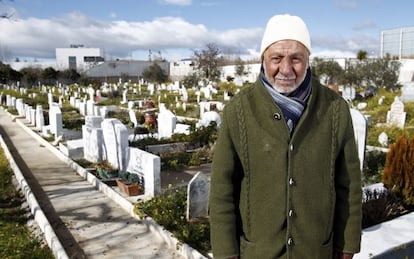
159 138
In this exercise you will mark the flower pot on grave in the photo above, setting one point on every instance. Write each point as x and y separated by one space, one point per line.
130 189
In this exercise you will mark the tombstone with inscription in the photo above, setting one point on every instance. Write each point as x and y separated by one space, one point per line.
396 115
198 192
360 133
148 167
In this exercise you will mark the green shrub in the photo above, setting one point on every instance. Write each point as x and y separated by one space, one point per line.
169 210
373 167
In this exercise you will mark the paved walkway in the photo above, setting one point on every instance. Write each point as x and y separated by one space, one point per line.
87 222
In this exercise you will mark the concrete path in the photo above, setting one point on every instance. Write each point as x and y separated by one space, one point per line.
87 222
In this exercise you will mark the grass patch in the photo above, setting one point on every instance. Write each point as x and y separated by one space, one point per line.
16 241
169 210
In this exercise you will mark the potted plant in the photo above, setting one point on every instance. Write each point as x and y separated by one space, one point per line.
129 183
106 171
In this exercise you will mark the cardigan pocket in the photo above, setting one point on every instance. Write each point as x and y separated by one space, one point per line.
247 248
326 250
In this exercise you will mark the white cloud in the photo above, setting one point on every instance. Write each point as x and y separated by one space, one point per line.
177 2
38 38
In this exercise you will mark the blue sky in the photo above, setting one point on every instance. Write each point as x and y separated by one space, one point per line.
175 28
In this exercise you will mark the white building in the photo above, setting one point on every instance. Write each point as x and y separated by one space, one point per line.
180 69
252 71
398 43
78 57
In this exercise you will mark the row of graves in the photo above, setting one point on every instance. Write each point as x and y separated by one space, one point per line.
396 115
107 139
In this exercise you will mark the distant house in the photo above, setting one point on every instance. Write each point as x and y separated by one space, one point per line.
78 57
127 70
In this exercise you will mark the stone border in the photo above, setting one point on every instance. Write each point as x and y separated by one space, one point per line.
40 218
185 250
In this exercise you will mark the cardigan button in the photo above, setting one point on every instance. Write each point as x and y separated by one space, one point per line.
277 116
291 181
290 241
291 213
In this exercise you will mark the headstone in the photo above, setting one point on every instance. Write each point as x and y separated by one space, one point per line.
184 94
124 96
20 106
90 107
148 168
381 100
98 96
360 132
131 105
92 136
91 92
151 89
133 118
383 139
362 106
115 136
32 116
207 118
50 98
166 123
396 115
55 120
198 192
40 120
348 93
9 102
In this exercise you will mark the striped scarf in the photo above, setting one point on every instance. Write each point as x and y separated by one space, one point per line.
293 104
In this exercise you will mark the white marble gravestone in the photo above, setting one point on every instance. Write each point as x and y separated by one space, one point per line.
40 119
360 132
55 120
115 135
348 93
148 168
383 139
396 115
166 123
207 118
198 192
133 117
92 136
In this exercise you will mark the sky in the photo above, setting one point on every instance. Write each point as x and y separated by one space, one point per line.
174 29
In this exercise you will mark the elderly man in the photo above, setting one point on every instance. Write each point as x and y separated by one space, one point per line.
285 176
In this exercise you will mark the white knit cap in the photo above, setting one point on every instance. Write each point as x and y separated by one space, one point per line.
285 27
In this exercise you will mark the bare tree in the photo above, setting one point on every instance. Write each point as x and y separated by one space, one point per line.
208 61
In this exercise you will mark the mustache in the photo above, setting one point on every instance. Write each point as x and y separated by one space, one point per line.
282 77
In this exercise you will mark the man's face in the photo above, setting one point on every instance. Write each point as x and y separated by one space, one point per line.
285 63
